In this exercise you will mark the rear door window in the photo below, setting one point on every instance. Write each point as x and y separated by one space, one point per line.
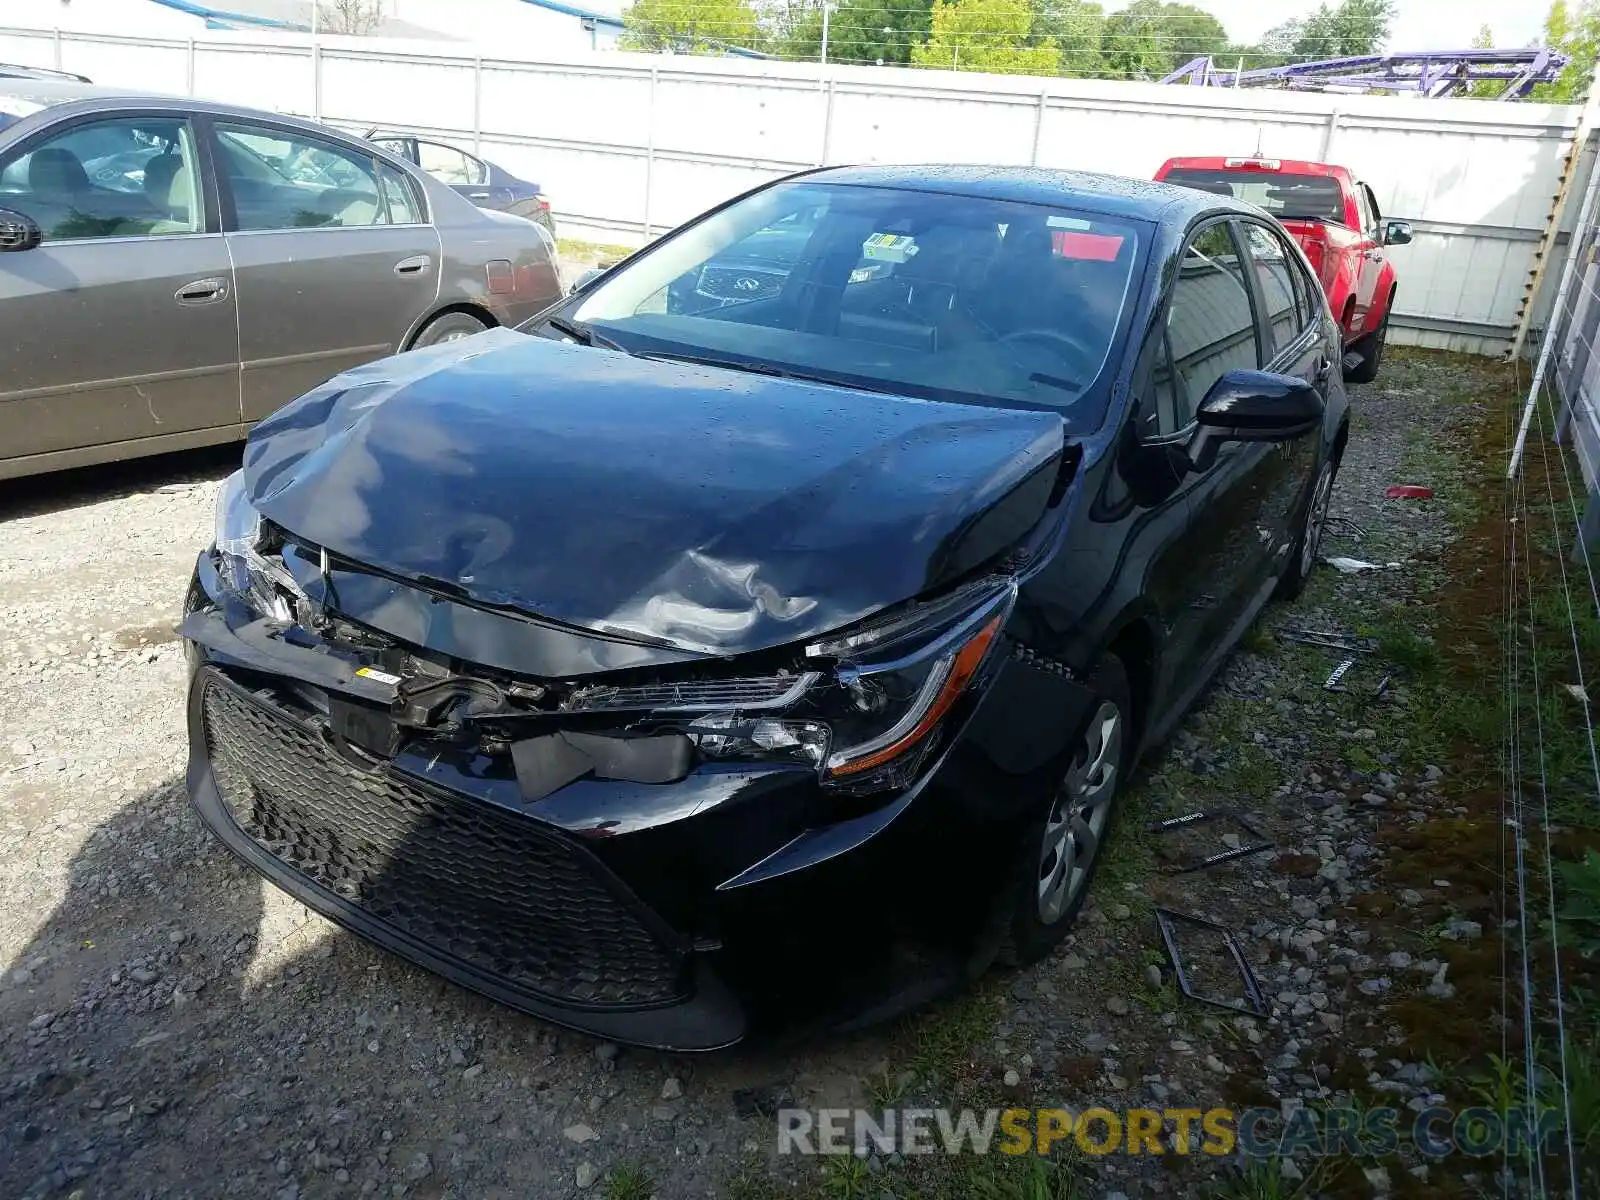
1211 326
284 180
1270 259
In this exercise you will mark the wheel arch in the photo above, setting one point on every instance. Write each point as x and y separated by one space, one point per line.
459 306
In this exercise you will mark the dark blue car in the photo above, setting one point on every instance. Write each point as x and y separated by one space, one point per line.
484 183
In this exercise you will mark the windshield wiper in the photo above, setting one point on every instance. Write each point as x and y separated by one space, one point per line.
583 334
761 368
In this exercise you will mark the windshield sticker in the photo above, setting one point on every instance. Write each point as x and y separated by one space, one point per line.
1059 222
889 247
1086 247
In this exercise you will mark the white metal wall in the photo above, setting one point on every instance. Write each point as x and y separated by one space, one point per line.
629 145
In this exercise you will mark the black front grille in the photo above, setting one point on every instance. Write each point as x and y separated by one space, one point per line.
490 888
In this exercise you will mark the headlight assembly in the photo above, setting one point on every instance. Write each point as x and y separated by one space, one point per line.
240 563
898 681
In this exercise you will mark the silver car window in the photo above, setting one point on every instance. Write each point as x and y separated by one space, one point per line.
449 165
287 180
121 177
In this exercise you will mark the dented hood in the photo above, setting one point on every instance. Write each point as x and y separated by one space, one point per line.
716 510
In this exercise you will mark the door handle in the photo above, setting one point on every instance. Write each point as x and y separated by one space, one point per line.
477 195
1373 256
415 265
202 291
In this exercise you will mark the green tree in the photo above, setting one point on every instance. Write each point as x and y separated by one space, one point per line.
1576 33
985 35
1355 27
1149 38
689 26
1484 89
859 31
1074 27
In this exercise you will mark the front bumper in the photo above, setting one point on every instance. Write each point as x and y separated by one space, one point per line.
493 901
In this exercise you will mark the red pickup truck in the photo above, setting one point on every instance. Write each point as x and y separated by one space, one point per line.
1335 218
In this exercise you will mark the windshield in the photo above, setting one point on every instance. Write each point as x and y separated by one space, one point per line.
1285 196
917 293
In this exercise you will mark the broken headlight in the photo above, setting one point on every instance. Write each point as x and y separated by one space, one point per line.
898 680
733 737
240 564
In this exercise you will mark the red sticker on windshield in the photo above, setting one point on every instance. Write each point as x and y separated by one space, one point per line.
1091 247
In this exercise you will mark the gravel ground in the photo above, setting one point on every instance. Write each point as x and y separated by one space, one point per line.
171 1026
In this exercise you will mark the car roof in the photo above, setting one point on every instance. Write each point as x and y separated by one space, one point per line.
25 97
1111 195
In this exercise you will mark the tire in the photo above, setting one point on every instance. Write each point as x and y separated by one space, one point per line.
448 327
1035 919
1308 541
1371 352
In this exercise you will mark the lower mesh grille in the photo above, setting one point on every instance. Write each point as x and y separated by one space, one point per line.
485 886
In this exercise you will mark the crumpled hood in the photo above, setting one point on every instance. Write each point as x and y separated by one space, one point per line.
719 510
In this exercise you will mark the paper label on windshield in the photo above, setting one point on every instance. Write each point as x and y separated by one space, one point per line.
889 247
1059 222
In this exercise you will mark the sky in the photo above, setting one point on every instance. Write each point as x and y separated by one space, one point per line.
1418 24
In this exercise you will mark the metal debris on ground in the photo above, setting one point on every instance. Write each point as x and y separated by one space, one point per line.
1348 642
1167 921
1383 686
1333 684
1233 815
1351 529
1408 491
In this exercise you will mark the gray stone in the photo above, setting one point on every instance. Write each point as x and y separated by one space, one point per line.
586 1176
579 1133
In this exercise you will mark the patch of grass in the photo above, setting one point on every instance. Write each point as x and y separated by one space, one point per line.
1263 1179
1251 773
846 1177
1578 919
942 1041
1258 640
628 1182
578 250
888 1088
1019 1177
752 1185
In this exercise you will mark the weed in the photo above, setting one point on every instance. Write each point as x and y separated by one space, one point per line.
846 1177
888 1088
1579 918
1264 1179
629 1183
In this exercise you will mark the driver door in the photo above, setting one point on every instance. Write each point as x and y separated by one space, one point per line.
122 325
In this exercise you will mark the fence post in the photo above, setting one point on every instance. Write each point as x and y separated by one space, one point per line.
649 150
316 81
1327 138
191 66
827 122
1038 125
57 40
477 105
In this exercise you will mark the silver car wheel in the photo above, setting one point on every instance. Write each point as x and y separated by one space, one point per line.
1316 520
1077 820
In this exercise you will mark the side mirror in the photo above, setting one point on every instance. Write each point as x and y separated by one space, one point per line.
18 231
1397 233
1253 406
587 278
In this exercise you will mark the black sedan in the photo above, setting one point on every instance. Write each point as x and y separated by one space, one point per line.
674 669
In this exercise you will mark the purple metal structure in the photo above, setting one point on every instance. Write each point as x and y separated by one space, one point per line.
1431 73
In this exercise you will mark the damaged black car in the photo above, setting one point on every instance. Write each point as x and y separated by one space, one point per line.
700 659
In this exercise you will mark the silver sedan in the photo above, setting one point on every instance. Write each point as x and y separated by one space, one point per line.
172 270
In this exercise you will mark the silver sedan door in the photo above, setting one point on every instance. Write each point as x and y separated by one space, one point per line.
334 261
118 333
